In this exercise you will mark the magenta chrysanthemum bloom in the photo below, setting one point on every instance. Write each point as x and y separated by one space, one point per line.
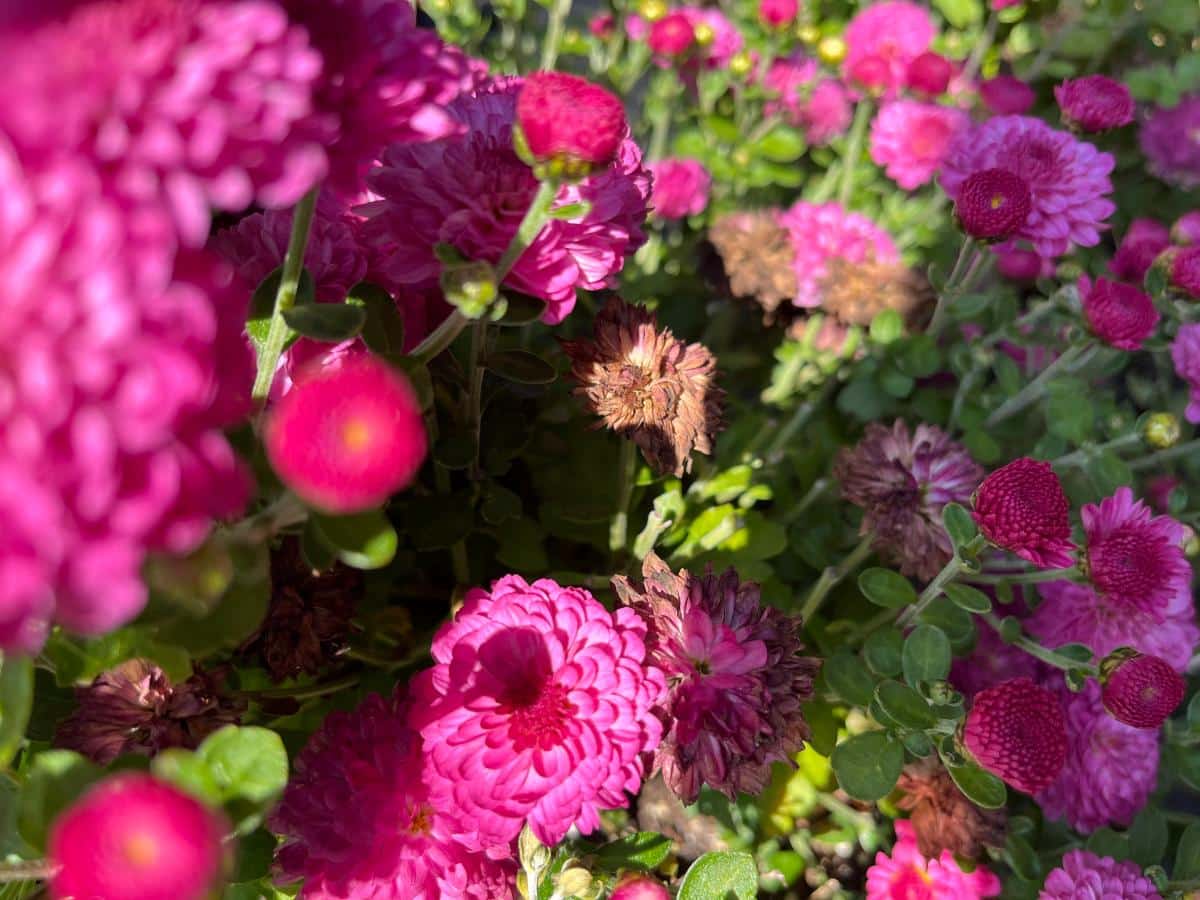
539 709
132 837
680 188
1140 691
1021 508
1134 556
1006 95
1185 270
992 204
902 480
910 139
357 819
1140 246
930 74
895 33
819 106
735 676
1185 353
472 191
1067 178
820 232
1110 768
1186 229
189 104
906 874
1168 138
1015 730
1094 103
1119 314
567 117
777 13
1084 875
672 35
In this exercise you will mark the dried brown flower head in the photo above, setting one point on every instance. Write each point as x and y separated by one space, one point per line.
943 818
857 292
757 254
649 386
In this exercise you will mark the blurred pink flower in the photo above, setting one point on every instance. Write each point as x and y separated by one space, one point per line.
1186 229
818 105
910 139
823 231
907 875
1168 138
1185 353
1139 247
727 41
1094 103
569 118
680 188
1006 95
894 33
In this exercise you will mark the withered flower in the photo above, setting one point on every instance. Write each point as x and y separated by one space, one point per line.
942 817
757 254
857 292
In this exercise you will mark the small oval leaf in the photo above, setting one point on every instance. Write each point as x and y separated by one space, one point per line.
886 588
868 765
327 322
520 366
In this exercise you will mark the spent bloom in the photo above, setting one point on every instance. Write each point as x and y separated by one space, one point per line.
1084 875
1140 246
756 253
818 105
680 188
1140 690
1021 508
1094 103
1067 178
1185 270
1168 138
132 837
892 33
1015 730
472 192
569 118
649 386
906 874
902 479
1185 353
942 818
357 819
1006 95
1119 314
1134 556
346 438
735 678
910 139
992 204
539 709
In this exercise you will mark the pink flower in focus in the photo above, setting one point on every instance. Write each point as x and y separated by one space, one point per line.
907 875
1084 875
1006 95
132 837
778 13
817 105
568 117
1134 556
1168 138
894 32
1185 270
992 204
1141 691
1067 178
1119 314
1021 508
1140 246
680 188
1185 353
1094 103
823 231
472 192
357 819
538 709
910 139
670 36
1186 229
930 74
1015 731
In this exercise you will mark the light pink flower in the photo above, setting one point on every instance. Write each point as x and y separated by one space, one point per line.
538 709
820 232
894 33
1185 353
1168 138
818 105
1186 229
1084 875
1139 247
905 874
910 139
680 188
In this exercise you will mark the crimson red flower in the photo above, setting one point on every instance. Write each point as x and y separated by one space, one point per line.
1015 730
777 13
930 74
992 204
1140 690
1021 508
1185 270
1094 103
1119 314
672 35
565 116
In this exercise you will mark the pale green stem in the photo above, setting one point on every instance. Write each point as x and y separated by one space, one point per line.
981 48
854 149
1036 650
284 512
26 870
1162 456
559 11
1071 359
1034 577
474 400
626 469
933 590
1081 456
832 576
964 266
811 496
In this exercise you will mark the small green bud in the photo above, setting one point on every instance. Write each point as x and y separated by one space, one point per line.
1162 430
470 286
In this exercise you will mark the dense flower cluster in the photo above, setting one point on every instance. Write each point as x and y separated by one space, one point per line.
819 106
1084 874
883 39
907 872
821 232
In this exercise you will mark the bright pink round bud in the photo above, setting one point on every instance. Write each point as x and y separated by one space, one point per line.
566 116
1119 314
639 887
871 72
602 25
992 204
1094 103
672 35
1006 95
1021 508
930 74
1140 690
778 13
346 438
133 837
1185 270
1139 248
1016 731
1186 229
1020 264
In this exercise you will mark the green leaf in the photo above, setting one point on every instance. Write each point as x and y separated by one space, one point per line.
1076 652
246 762
1066 416
189 773
724 875
926 655
383 330
1148 837
1023 858
521 309
848 678
887 327
365 540
958 524
520 366
724 130
1187 855
882 650
571 210
867 765
54 781
254 854
16 703
1106 842
262 304
782 144
955 622
328 322
980 787
886 588
960 13
966 597
644 850
905 705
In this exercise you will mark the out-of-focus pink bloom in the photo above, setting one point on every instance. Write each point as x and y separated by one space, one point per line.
818 105
1140 246
778 13
930 74
823 231
1185 270
1119 314
1084 874
910 139
1094 103
1158 491
1006 95
1186 229
726 41
1168 140
1005 4
895 32
1020 264
602 25
1185 353
670 36
680 188
906 874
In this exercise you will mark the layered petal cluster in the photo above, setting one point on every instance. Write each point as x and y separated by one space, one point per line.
902 479
1021 507
1119 314
1006 95
1185 270
1094 103
906 874
910 139
569 118
539 709
471 192
1185 353
816 104
1168 139
886 37
1141 690
1016 730
736 679
1084 875
680 188
821 232
1140 246
357 819
1068 178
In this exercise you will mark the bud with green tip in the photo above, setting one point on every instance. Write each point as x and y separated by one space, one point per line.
470 286
1162 430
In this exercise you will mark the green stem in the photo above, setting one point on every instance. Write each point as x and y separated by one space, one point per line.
559 11
854 149
857 635
968 251
284 512
459 563
26 870
811 496
285 296
949 572
1162 456
1071 359
1036 650
474 399
1026 577
834 575
303 692
981 48
441 337
626 468
1082 455
661 123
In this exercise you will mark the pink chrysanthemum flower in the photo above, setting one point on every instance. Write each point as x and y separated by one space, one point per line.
1015 730
906 874
895 33
1186 229
1110 768
132 837
670 36
992 204
472 192
1068 178
190 104
910 139
1168 138
1134 556
1084 875
1140 246
680 188
569 118
817 105
539 709
1006 95
1185 353
820 232
726 41
1185 270
902 480
930 74
1119 314
777 13
357 819
1021 508
735 678
1094 103
1139 690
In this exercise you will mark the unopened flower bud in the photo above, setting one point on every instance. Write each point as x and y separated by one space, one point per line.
1140 690
1191 541
741 63
534 855
809 34
576 882
831 50
652 10
470 286
1162 430
704 34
